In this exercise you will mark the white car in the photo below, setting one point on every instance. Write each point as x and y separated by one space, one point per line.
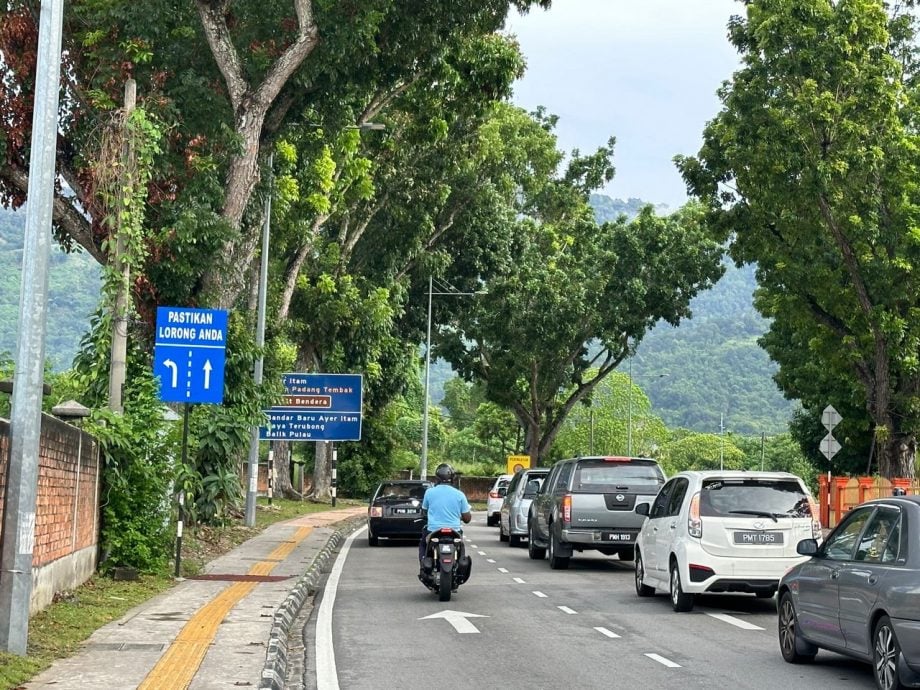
496 496
717 531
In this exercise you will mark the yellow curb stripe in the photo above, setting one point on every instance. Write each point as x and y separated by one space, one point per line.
179 664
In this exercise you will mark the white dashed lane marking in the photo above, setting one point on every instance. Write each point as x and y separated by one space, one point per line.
607 633
482 553
566 609
661 660
490 560
539 594
519 581
737 622
502 570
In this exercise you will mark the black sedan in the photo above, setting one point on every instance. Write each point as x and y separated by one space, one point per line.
395 510
859 593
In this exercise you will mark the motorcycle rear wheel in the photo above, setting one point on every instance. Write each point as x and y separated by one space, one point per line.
444 586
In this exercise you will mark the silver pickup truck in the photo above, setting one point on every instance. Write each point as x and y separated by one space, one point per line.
589 503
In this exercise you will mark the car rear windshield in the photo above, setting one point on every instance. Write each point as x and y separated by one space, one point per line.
395 491
753 497
605 476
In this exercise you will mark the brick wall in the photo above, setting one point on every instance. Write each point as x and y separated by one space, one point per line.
66 514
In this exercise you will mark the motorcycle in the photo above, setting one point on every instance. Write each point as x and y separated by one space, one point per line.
446 565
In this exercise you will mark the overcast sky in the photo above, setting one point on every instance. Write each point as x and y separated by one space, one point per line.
644 71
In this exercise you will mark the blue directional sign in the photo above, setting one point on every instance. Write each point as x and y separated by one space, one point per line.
189 354
316 407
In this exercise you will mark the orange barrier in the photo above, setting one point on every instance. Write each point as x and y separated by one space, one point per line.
838 495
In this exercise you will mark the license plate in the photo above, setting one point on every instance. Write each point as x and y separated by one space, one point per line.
617 536
405 511
758 537
446 548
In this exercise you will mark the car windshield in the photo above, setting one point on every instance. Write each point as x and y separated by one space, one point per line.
600 475
398 491
774 498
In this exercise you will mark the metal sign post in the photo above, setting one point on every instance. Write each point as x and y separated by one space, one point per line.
189 354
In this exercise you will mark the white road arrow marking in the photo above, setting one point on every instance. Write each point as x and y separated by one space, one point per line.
175 371
207 374
458 619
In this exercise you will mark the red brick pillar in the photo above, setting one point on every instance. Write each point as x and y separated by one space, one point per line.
838 486
824 502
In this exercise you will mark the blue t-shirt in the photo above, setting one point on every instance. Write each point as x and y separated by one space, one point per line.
445 505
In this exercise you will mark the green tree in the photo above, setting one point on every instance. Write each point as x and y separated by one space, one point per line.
810 170
693 451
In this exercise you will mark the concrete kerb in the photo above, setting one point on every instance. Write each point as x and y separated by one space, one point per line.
276 657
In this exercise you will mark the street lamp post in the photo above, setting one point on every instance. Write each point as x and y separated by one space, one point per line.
423 467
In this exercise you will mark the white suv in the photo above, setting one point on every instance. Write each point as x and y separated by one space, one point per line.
723 532
496 497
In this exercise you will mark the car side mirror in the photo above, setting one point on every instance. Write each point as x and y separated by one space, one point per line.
643 509
807 547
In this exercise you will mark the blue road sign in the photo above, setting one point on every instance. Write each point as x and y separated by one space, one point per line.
189 354
316 407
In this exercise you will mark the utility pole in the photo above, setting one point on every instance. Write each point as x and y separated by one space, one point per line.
260 343
118 361
763 441
629 414
25 418
721 442
423 468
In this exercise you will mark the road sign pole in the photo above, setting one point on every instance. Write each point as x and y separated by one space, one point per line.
180 523
335 460
271 471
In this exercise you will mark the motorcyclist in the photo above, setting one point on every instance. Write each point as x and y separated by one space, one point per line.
443 506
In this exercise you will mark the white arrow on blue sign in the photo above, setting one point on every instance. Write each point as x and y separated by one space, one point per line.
189 354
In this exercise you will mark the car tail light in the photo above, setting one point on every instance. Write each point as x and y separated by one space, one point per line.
375 511
493 494
616 458
694 523
700 573
815 518
567 509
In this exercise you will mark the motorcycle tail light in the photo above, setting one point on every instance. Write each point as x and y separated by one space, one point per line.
567 509
694 523
375 511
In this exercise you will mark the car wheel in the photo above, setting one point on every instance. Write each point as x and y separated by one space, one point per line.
886 653
514 540
556 562
795 650
535 552
627 554
642 589
490 521
680 600
501 532
372 539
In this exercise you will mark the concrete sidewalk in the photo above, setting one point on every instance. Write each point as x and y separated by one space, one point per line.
227 628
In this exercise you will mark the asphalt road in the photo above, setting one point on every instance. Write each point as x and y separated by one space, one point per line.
582 627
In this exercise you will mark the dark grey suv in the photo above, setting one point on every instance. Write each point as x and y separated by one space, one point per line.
859 593
588 503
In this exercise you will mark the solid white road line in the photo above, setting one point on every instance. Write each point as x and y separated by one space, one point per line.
737 622
539 594
566 609
608 633
661 660
326 674
519 581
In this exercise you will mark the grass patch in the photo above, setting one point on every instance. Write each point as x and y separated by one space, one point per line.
58 631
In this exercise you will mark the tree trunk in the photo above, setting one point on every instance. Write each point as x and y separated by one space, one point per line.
283 486
322 472
897 457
